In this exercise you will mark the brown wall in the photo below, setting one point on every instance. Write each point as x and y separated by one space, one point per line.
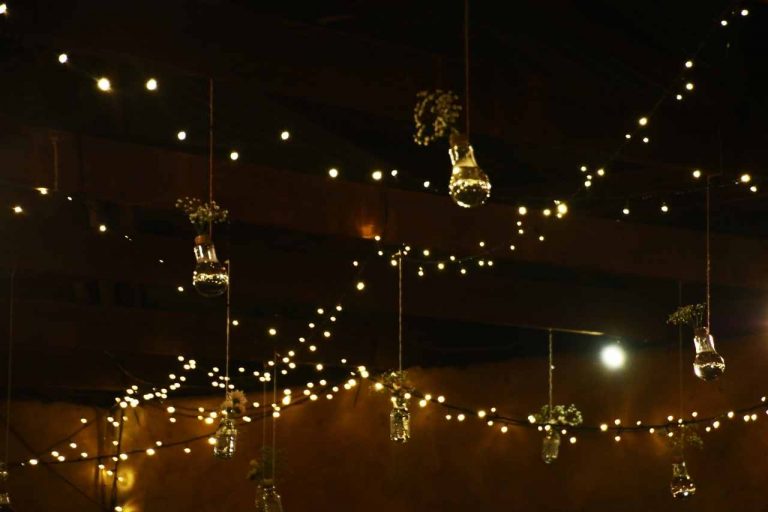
336 455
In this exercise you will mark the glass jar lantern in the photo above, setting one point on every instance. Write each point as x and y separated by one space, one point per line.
708 364
469 186
225 439
210 277
399 420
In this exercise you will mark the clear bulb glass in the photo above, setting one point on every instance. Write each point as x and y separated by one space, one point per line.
267 498
226 439
5 497
682 485
550 447
469 186
399 420
210 277
708 364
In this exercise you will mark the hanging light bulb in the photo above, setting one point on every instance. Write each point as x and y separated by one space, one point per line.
267 497
708 364
5 497
226 439
399 419
682 485
469 186
210 276
550 447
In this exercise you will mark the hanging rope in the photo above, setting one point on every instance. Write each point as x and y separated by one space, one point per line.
229 324
466 66
274 419
400 312
55 145
550 368
680 353
9 382
709 259
210 152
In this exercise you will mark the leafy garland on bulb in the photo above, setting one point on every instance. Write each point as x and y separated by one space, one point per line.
210 277
550 419
708 364
435 115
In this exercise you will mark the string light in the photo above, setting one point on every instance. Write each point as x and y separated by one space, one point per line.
689 86
104 84
151 84
285 135
745 178
333 173
377 175
643 121
3 8
696 174
427 184
63 58
17 209
234 155
664 208
182 135
102 228
689 64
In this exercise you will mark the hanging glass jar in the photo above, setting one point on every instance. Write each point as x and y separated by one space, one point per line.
267 497
5 497
469 186
708 364
226 439
210 277
399 419
550 446
682 485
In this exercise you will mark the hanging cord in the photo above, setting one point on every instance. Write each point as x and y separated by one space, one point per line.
400 313
210 153
550 368
11 297
229 314
55 145
466 66
274 420
709 261
680 366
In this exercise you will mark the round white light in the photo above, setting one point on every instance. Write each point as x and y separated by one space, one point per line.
151 84
285 135
234 155
63 58
104 84
613 356
333 173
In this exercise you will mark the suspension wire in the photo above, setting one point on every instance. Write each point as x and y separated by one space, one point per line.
274 419
680 352
550 368
709 259
210 153
11 298
400 313
55 145
229 322
466 66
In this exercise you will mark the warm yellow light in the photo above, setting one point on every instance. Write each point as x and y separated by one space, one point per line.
753 188
285 135
377 175
583 168
601 172
730 414
689 86
625 211
150 451
460 417
211 441
664 208
562 208
180 289
234 155
123 456
603 427
333 173
697 174
724 23
617 438
426 252
522 210
642 121
427 184
102 228
360 286
541 238
745 178
3 8
441 266
587 184
481 414
272 331
547 212
33 462
745 12
689 64
646 140
104 84
441 399
151 84
182 135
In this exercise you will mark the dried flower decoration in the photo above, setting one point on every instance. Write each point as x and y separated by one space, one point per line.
394 380
691 315
201 214
435 115
263 467
560 415
236 404
684 436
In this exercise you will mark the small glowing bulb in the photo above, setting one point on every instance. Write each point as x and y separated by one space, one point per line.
603 427
235 322
689 86
151 84
745 12
102 228
583 168
441 266
377 175
360 286
63 58
182 135
697 174
441 399
180 289
753 188
646 140
541 238
562 208
601 172
426 252
18 209
625 211
664 208
333 173
393 173
522 210
427 184
627 136
547 212
33 462
587 184
745 178
724 23
3 8
642 121
617 438
679 97
689 64
613 357
150 451
285 135
104 84
234 155
272 331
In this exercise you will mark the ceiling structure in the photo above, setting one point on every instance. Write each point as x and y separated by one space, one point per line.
554 87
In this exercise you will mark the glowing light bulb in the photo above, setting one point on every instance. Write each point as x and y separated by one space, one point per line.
182 135
285 135
745 178
522 210
664 208
151 84
469 186
613 356
63 58
225 439
360 286
234 155
377 175
689 64
708 364
333 173
104 84
753 188
689 86
562 208
3 8
102 228
393 173
625 211
696 174
724 23
643 121
17 209
427 184
745 12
